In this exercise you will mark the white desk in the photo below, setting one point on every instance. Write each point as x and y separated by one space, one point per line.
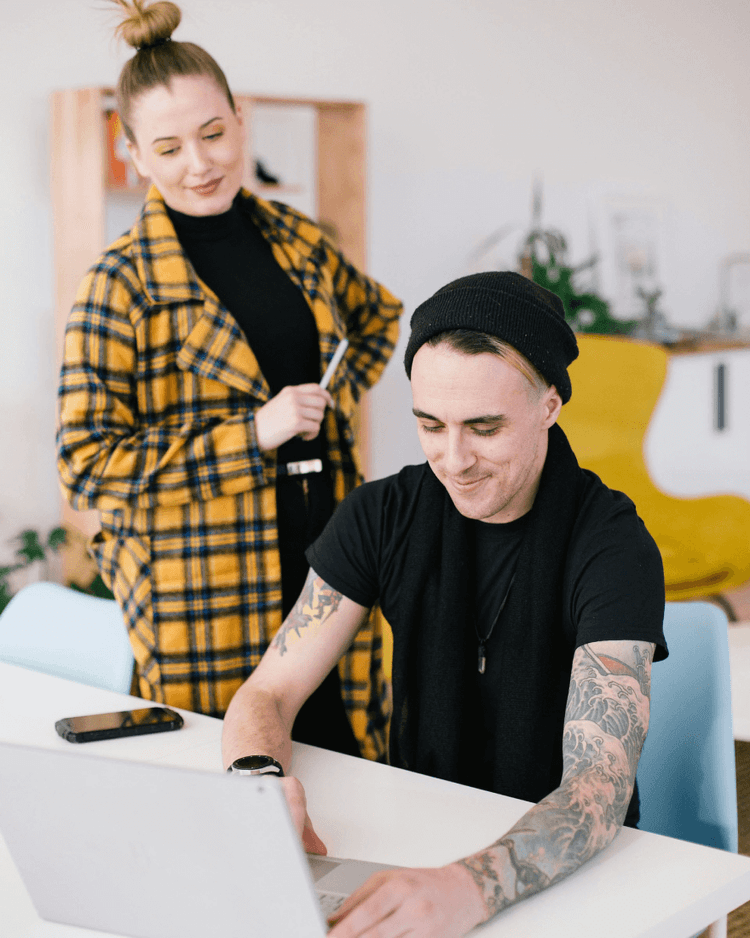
642 886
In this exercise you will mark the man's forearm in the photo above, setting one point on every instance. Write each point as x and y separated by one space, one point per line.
253 725
312 638
551 840
606 723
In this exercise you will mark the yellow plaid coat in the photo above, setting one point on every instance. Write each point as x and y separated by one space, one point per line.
156 430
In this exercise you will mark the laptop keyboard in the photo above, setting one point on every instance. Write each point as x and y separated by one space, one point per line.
330 902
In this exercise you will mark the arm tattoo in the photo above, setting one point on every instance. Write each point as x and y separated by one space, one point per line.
605 726
484 874
316 603
608 665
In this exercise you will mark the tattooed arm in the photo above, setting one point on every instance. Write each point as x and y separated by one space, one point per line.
605 725
313 637
260 716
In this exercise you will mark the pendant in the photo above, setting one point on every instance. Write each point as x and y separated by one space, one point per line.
481 660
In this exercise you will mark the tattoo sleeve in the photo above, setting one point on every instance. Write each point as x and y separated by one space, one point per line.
316 603
605 726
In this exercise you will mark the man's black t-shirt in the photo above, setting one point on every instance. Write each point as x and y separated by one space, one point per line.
612 586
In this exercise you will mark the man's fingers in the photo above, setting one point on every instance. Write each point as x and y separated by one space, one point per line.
295 799
310 840
297 802
441 902
369 904
357 897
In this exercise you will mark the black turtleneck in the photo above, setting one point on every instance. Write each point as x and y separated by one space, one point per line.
232 257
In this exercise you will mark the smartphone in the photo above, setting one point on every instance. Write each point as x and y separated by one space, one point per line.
86 729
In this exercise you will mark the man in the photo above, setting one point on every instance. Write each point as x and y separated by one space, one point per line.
526 600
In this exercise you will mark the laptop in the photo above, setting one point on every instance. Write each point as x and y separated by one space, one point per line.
155 851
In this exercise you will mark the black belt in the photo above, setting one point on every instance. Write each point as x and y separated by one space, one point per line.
303 468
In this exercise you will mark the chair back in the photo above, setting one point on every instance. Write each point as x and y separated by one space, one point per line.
50 628
686 775
617 383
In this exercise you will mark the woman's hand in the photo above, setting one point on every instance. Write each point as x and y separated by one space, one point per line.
295 798
297 410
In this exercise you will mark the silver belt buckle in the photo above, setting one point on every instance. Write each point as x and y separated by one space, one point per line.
303 468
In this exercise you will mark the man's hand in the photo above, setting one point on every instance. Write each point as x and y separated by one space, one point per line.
297 410
295 798
441 902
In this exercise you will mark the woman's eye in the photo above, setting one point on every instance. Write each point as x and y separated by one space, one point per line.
215 135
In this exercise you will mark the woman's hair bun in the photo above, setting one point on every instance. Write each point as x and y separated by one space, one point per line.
147 24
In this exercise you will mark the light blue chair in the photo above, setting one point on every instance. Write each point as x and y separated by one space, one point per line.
50 628
686 775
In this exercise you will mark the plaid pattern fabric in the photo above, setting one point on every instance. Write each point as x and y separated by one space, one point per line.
156 430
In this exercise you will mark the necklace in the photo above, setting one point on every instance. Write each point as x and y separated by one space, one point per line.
483 639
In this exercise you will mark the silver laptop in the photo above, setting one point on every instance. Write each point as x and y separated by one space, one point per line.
159 852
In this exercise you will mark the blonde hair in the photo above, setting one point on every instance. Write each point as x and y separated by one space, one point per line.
472 342
158 59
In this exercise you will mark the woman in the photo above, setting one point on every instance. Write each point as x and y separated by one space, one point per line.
190 411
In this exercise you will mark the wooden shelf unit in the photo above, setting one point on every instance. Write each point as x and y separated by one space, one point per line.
80 189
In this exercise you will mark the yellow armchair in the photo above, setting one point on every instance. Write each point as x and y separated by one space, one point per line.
705 541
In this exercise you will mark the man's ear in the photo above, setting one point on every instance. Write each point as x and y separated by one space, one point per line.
552 403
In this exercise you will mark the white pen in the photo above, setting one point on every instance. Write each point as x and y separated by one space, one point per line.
333 364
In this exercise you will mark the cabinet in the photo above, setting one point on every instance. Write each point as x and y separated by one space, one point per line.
84 188
698 440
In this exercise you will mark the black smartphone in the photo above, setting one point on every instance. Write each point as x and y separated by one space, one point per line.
86 729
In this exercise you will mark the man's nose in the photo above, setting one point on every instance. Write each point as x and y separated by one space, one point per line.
458 455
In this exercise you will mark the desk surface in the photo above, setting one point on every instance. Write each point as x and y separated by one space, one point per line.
642 886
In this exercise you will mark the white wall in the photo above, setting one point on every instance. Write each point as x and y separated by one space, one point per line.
469 99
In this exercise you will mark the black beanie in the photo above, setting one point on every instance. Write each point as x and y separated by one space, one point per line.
509 306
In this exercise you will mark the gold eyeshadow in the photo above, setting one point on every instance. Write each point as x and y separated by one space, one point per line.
212 129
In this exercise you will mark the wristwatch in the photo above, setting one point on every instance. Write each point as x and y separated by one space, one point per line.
256 765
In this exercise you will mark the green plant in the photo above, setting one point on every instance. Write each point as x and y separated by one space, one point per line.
585 310
97 587
543 258
32 548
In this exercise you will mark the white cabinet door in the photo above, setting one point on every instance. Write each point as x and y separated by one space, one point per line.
698 440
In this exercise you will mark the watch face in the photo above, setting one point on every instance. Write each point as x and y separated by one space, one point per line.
257 765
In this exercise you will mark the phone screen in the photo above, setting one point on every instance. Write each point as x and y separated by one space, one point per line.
120 723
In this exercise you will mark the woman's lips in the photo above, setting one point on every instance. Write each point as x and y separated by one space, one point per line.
207 188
